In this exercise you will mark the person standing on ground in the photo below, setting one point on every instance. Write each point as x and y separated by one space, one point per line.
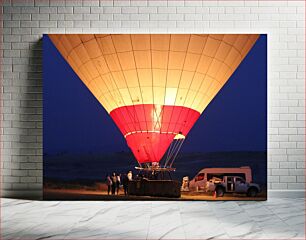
125 182
130 176
109 184
114 181
118 183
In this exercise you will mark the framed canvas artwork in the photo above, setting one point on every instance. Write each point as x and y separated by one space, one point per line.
155 116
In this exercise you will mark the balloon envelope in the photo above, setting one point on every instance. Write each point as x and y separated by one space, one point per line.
154 86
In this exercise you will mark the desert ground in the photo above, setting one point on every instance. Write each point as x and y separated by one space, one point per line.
101 194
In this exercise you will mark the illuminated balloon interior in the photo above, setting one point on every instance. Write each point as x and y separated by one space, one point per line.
154 86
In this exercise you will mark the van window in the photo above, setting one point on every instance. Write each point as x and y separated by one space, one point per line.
240 180
200 177
221 175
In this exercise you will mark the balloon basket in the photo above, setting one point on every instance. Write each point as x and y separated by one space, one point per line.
158 169
155 188
155 173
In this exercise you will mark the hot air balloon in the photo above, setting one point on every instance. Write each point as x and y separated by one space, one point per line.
154 86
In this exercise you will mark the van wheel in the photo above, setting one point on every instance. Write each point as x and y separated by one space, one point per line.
252 192
220 192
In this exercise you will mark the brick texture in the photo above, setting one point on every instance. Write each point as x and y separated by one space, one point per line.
24 22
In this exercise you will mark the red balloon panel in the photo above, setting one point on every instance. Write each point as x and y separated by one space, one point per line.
149 128
149 147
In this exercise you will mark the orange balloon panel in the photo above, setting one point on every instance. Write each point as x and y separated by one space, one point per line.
178 69
139 77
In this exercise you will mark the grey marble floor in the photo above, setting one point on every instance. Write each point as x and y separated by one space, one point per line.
272 219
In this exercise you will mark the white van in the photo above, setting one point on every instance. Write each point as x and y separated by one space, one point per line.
206 174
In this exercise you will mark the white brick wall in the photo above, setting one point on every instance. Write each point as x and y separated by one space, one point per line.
24 22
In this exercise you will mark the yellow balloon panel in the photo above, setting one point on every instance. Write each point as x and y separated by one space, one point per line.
143 59
159 42
163 69
179 42
173 78
197 43
146 77
141 42
131 78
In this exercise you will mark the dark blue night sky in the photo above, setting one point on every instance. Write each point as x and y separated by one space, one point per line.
75 122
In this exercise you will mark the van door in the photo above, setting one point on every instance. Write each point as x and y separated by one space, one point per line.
230 185
240 185
200 182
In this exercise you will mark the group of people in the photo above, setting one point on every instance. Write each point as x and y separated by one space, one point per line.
115 181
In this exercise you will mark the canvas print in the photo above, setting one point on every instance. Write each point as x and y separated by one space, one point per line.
155 116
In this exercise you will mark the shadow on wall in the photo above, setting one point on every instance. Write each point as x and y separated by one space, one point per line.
30 139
